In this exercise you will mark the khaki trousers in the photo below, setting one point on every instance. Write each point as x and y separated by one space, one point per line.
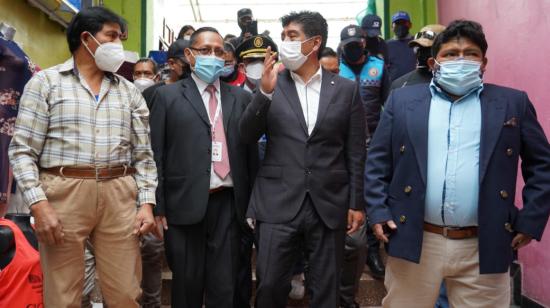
455 261
105 212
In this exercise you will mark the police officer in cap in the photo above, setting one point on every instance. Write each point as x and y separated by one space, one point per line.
251 55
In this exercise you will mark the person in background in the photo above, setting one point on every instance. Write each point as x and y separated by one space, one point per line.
228 37
247 24
329 60
441 177
307 194
185 33
251 54
369 73
354 249
232 74
205 173
401 58
422 46
82 158
376 46
179 69
367 70
145 73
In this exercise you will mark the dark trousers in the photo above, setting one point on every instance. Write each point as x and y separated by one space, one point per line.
243 291
151 264
355 254
204 257
279 249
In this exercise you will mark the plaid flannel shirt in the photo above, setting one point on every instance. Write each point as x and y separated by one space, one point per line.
61 123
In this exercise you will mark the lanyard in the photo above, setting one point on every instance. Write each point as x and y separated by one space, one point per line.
216 115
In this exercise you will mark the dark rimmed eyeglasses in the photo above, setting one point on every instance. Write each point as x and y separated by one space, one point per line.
218 52
430 35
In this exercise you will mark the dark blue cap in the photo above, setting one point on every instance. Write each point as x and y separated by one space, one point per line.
401 15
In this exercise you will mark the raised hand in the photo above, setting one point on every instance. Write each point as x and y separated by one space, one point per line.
269 75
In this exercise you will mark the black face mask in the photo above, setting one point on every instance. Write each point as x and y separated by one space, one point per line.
401 30
353 52
422 55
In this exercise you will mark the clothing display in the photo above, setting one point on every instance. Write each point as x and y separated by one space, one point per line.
15 70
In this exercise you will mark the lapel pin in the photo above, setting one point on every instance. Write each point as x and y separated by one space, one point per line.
332 82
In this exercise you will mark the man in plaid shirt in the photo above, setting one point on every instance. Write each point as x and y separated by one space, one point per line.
82 157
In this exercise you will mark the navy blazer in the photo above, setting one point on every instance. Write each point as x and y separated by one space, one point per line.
395 176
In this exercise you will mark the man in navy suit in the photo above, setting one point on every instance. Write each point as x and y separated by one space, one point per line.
441 179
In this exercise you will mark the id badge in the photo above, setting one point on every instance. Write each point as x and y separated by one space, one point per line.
216 151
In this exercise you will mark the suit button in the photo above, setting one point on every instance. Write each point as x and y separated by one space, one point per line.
509 152
402 219
504 194
408 190
307 171
402 149
508 227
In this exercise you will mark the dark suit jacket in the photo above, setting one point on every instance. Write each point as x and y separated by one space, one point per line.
180 136
509 130
328 164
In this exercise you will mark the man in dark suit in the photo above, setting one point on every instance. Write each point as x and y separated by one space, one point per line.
205 173
308 190
443 165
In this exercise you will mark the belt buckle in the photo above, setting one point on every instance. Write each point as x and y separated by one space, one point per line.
446 230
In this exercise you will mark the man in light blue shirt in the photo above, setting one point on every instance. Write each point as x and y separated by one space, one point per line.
441 174
454 130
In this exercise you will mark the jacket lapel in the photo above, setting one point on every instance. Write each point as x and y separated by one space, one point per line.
288 88
493 112
191 92
418 112
228 101
325 97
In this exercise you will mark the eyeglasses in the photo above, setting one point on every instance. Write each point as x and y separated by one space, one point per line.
218 52
425 34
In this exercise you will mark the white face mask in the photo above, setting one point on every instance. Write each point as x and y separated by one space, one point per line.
291 54
254 70
143 83
187 37
108 56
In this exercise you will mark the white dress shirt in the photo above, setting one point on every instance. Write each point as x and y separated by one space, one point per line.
215 180
309 94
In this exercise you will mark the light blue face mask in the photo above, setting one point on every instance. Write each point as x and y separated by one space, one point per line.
227 70
459 76
208 68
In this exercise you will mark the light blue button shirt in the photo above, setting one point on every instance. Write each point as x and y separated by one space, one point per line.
454 132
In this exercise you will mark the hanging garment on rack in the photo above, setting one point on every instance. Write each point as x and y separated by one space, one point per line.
15 70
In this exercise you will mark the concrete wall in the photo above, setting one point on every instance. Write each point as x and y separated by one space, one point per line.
41 38
517 33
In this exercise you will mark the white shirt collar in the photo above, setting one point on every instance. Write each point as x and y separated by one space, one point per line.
317 76
201 85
